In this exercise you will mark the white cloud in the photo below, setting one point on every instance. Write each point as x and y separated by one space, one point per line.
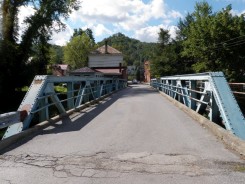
107 16
172 31
175 14
61 38
236 12
123 15
24 12
100 29
150 33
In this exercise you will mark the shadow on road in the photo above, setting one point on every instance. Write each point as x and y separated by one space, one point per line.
80 119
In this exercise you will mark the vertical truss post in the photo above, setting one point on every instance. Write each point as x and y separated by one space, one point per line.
165 87
214 110
169 87
178 89
44 113
184 93
117 84
110 86
162 87
193 86
70 95
173 84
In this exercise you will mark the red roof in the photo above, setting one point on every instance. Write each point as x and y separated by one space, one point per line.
61 66
110 50
109 71
84 70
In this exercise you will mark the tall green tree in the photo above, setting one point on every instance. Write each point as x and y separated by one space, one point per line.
56 55
214 41
77 50
167 60
131 49
15 55
87 31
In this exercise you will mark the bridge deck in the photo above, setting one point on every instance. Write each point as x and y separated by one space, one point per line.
134 136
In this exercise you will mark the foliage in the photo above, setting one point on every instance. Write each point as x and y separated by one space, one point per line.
167 60
23 58
56 54
60 89
205 41
87 31
214 41
77 50
132 49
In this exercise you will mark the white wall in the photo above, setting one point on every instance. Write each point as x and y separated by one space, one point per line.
105 60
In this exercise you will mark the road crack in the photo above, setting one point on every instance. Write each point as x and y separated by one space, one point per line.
103 165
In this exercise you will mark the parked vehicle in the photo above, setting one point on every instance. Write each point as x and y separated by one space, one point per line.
135 81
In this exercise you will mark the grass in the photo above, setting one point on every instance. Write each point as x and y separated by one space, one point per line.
240 168
60 89
23 89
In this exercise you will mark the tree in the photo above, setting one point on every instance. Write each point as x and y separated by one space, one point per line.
214 41
14 53
130 48
167 60
56 55
77 50
87 31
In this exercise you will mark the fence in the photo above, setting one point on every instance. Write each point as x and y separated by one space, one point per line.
42 101
208 94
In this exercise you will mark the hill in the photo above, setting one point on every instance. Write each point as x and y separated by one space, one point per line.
133 50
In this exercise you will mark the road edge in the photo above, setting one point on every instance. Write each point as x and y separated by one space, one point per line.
229 139
4 144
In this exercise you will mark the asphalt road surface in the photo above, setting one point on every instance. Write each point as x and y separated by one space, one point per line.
135 136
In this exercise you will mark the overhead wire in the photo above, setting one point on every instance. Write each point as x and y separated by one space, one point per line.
233 44
230 40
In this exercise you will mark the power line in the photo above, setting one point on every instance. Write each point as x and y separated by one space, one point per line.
241 42
230 40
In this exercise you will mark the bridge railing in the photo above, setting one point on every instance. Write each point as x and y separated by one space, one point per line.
238 90
42 101
208 94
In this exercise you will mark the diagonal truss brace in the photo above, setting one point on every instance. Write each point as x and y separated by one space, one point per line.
208 94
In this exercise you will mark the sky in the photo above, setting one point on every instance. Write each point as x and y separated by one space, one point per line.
139 19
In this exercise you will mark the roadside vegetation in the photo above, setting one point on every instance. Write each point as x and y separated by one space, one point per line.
206 41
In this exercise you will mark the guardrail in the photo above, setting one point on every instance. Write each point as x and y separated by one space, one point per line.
238 90
8 119
42 101
208 94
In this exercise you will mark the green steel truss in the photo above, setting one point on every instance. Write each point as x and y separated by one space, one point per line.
42 98
208 94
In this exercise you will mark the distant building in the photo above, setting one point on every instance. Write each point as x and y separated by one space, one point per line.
105 56
60 69
86 72
147 72
108 61
131 70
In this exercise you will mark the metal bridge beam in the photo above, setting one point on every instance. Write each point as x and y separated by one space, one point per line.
36 100
212 98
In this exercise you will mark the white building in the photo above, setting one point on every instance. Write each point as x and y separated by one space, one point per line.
108 61
105 56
